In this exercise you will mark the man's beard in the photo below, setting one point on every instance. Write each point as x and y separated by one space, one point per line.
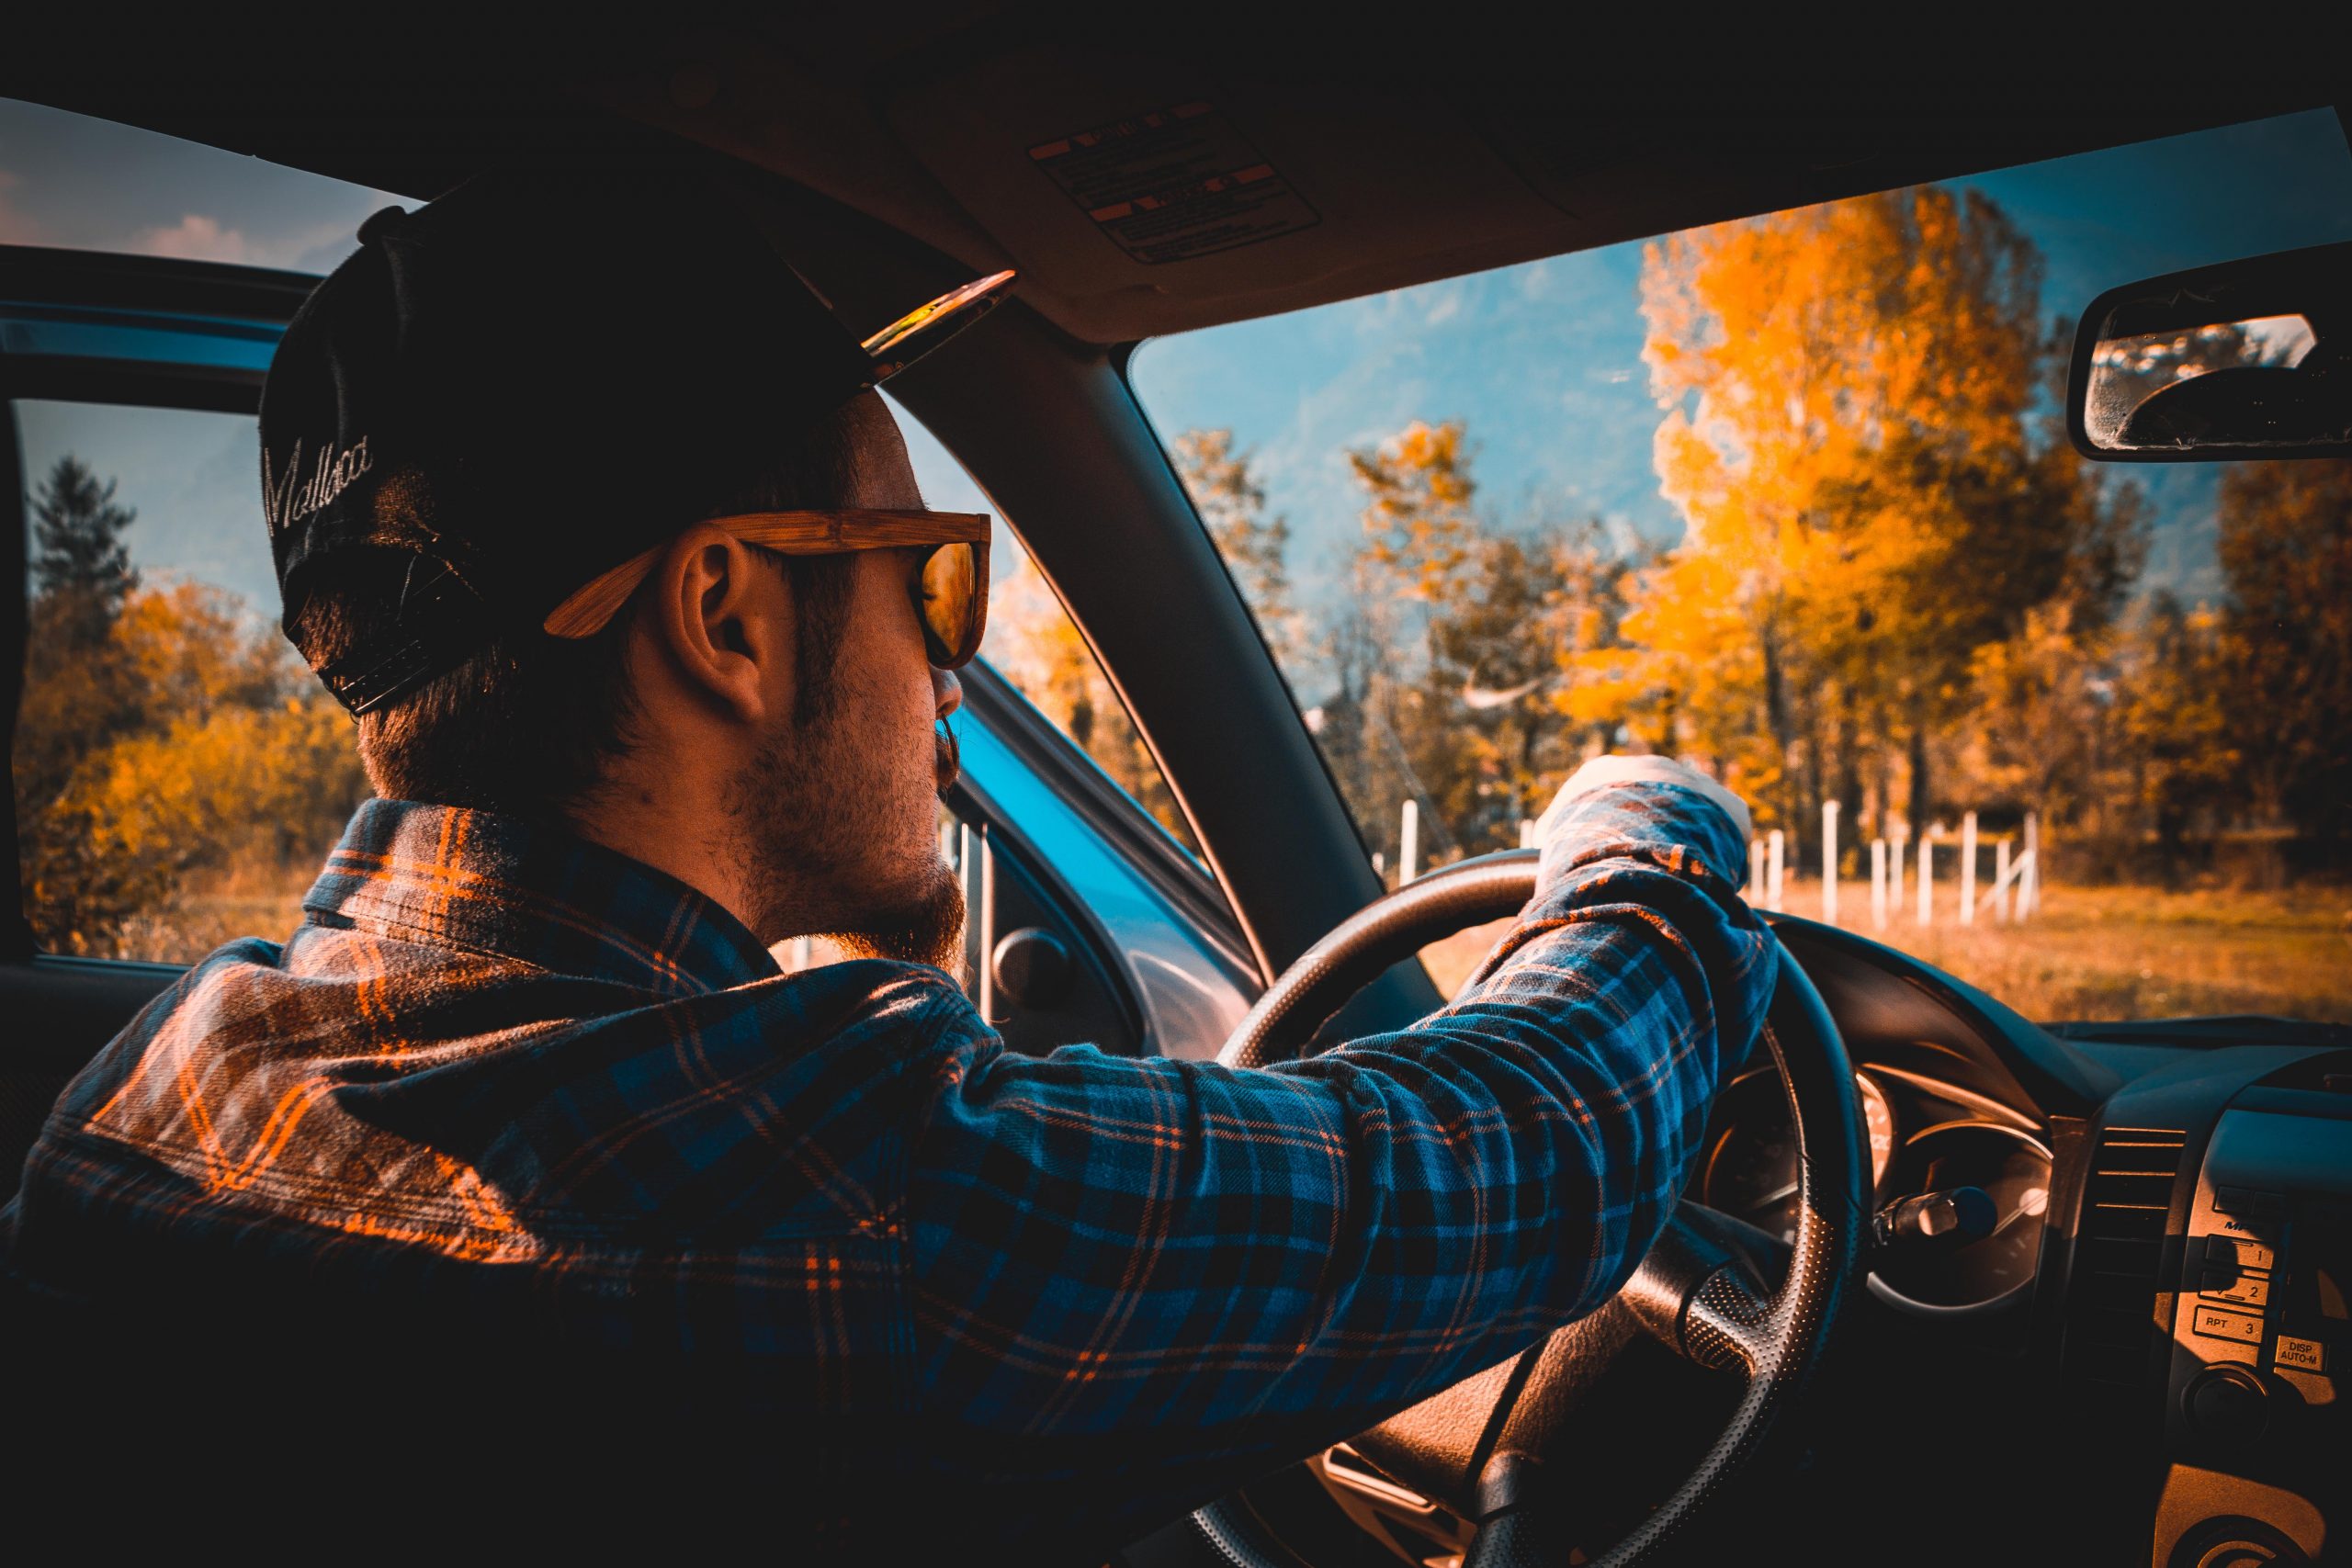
818 821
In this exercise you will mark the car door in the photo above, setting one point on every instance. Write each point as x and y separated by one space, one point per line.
177 779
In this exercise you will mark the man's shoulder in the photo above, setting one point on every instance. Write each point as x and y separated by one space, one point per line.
473 1104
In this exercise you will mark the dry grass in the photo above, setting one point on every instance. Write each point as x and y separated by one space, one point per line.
247 900
2104 953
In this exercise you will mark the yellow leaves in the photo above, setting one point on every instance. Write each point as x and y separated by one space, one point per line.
1232 505
1824 377
191 741
235 776
1417 516
1033 644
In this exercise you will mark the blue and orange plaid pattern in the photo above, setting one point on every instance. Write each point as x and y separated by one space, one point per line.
525 1082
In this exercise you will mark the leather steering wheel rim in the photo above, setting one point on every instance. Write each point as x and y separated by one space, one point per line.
1688 1291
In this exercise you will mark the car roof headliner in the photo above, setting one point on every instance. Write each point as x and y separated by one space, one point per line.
921 118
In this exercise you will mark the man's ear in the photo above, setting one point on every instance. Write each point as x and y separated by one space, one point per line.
720 619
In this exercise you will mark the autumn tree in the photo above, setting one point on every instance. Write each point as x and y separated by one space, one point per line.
1851 432
2178 727
1452 652
1418 523
2286 552
1231 501
1034 645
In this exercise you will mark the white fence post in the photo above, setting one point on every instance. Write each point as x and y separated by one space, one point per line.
1878 884
1527 833
2029 887
1774 843
1756 891
2001 880
1896 844
2011 872
967 867
1829 863
988 927
1927 879
1409 843
1968 869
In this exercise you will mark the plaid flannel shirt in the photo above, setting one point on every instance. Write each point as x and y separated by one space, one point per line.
526 1086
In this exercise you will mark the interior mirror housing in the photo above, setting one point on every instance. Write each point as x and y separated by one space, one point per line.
2248 358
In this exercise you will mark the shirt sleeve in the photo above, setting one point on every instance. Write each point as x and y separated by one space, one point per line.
1150 1268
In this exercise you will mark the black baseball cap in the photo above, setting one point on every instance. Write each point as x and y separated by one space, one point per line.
531 379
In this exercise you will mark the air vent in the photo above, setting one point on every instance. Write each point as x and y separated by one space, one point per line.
2118 1258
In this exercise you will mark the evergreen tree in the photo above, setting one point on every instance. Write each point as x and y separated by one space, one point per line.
80 562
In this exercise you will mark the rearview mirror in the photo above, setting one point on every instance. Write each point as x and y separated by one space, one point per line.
2249 359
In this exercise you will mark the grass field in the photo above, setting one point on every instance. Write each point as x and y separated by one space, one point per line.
2105 952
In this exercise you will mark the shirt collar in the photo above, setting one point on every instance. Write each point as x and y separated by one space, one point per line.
532 891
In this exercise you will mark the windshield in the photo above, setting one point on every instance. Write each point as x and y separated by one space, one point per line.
1789 498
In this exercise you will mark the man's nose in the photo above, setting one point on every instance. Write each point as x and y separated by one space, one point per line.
946 692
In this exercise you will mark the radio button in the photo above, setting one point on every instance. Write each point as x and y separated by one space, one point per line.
2246 1200
2215 1324
2236 1251
2247 1289
2303 1355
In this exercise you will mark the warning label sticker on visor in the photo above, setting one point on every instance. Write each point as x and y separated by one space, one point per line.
1174 184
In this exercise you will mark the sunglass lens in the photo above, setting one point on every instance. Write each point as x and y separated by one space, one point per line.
954 603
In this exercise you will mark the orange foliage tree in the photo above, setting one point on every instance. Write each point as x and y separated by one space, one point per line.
2286 549
1850 432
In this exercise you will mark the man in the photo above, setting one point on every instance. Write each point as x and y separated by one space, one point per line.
519 1159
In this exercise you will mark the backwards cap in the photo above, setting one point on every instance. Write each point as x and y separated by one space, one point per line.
528 381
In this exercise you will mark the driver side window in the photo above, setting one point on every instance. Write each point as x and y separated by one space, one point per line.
1033 644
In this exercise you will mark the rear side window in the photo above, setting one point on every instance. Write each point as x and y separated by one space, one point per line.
178 775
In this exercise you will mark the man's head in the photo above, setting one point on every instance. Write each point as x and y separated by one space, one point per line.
760 725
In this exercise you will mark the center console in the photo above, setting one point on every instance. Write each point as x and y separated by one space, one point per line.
2259 1386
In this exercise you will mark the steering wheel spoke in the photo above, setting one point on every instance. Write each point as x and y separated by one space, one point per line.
1727 1326
1701 1291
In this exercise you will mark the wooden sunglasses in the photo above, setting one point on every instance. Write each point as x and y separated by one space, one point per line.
950 589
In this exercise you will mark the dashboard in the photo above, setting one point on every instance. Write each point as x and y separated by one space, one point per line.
2155 1309
2129 1340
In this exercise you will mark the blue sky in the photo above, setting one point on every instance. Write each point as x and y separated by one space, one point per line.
1544 360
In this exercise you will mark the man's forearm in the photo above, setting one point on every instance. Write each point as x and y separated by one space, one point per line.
1204 1264
1596 1033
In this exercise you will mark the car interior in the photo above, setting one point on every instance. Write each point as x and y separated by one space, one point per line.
2139 1362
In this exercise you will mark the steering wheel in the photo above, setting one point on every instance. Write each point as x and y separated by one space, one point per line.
1479 1447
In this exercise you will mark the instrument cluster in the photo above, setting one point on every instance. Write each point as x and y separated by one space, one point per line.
1927 1136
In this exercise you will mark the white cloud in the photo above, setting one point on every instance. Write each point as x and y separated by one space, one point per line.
313 246
195 237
